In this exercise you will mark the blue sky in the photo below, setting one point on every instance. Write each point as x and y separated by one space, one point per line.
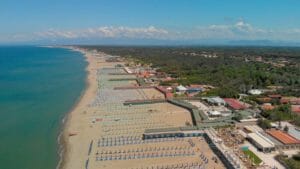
72 21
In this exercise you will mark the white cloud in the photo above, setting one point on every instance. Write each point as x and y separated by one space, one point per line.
106 32
240 30
51 33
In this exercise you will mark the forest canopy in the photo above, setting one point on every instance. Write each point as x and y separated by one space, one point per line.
233 68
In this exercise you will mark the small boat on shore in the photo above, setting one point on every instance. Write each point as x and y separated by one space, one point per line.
72 134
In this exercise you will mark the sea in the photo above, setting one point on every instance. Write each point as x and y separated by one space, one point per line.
38 87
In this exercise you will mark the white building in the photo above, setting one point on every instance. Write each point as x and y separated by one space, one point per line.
181 89
255 92
214 113
216 101
261 142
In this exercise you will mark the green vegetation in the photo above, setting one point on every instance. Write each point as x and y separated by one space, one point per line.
290 163
280 113
225 92
256 160
264 124
237 117
289 91
286 128
297 121
233 71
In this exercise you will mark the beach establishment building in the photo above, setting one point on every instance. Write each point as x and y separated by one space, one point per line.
167 91
228 158
255 92
286 140
214 113
295 109
235 104
252 128
275 96
261 142
295 101
248 115
292 129
264 99
127 70
181 89
291 100
171 132
194 89
267 106
216 101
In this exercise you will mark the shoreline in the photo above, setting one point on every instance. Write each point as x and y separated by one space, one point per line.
88 120
64 147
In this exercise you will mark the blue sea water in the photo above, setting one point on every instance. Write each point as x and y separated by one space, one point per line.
38 86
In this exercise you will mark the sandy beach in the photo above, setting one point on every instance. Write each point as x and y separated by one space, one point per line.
73 125
101 132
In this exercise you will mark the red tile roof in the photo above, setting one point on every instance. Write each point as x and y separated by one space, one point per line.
275 96
264 99
285 99
296 108
235 104
283 137
292 100
295 101
195 86
169 95
267 106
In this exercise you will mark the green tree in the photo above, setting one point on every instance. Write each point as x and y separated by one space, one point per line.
264 124
286 128
237 117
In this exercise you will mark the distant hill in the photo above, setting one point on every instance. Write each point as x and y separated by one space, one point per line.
262 43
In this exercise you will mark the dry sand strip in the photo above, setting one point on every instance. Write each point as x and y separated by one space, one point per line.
101 132
74 155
